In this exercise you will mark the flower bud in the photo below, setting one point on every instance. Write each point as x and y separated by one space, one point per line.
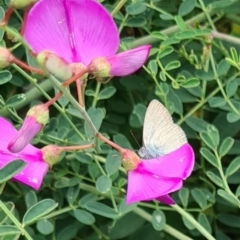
51 154
55 65
6 57
36 119
130 160
100 67
21 3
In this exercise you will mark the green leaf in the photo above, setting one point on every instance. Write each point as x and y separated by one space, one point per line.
229 220
136 22
137 116
101 209
180 22
183 194
126 226
125 208
113 162
238 191
104 184
11 169
6 230
186 34
68 233
166 16
106 93
164 51
122 141
186 7
226 146
2 12
172 65
87 198
214 135
220 4
214 178
233 166
72 194
203 220
38 210
233 117
45 227
158 220
209 156
84 217
158 35
96 115
30 199
15 100
223 67
207 140
136 8
5 76
3 217
231 88
197 124
169 41
228 197
199 197
188 224
153 67
217 102
190 83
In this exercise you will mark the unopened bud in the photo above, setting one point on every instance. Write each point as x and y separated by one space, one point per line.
36 119
6 57
51 154
100 67
21 3
55 65
130 160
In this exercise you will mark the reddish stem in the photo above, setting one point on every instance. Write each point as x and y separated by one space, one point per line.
109 142
79 92
8 14
25 14
53 100
75 77
27 67
75 148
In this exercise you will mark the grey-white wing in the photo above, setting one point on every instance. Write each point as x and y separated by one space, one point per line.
160 135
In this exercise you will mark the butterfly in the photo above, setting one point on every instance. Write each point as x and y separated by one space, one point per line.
166 158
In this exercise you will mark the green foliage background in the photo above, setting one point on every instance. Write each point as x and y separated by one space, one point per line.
193 69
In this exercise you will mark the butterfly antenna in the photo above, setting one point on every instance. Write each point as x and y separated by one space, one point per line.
135 139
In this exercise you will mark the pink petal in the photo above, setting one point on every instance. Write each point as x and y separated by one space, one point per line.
76 30
30 128
47 29
35 169
177 164
128 62
166 199
94 31
144 186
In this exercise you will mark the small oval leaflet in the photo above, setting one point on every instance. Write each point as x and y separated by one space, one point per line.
158 220
38 210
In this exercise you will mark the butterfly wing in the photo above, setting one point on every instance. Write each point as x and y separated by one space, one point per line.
160 134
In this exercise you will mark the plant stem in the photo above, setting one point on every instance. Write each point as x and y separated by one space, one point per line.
197 225
15 221
118 7
168 31
81 109
175 233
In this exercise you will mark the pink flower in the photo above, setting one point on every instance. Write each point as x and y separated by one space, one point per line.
32 174
156 178
36 118
81 31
